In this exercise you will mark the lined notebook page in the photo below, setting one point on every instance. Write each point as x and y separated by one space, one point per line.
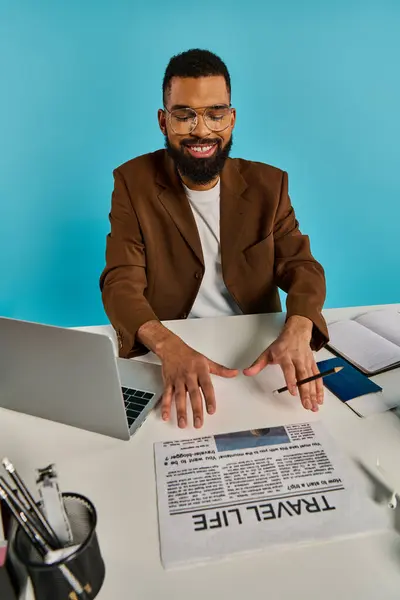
363 347
384 322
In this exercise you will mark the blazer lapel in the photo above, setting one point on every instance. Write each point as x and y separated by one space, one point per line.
232 209
232 212
175 202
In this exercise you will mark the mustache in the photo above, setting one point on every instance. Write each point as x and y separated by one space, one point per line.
199 171
194 141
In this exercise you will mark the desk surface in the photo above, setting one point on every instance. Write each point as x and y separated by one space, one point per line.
119 478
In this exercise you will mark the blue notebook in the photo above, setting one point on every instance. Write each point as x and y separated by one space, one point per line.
348 383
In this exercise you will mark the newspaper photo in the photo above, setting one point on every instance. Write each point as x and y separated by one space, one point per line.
244 491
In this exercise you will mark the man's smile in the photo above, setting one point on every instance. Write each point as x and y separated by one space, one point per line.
201 150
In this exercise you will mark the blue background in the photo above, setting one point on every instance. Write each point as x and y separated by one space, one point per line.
317 89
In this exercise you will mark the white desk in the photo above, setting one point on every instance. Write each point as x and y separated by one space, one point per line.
119 479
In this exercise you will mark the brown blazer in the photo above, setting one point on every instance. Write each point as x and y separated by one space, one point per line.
154 262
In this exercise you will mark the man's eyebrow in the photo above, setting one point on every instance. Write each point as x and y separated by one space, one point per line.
180 106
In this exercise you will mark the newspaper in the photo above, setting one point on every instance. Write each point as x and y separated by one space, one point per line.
244 491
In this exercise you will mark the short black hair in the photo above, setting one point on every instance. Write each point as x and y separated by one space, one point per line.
195 63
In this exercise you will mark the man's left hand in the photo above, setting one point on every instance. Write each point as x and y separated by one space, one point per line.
292 351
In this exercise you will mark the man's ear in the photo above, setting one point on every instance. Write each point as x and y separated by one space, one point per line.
233 122
162 121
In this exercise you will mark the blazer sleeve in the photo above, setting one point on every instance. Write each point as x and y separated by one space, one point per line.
123 281
296 271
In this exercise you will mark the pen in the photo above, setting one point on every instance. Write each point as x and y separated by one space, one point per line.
17 514
308 379
30 501
17 502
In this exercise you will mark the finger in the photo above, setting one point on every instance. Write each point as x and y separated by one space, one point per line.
220 370
319 384
180 402
258 365
166 403
196 401
312 388
304 389
305 396
313 395
208 393
289 373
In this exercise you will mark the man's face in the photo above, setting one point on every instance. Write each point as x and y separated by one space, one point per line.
198 150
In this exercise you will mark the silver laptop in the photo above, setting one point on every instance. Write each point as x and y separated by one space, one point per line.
73 377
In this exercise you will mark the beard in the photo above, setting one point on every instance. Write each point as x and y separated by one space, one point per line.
199 170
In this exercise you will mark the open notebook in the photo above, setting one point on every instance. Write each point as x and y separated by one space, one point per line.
371 342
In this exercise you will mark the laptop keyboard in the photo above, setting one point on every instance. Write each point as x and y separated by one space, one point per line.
135 401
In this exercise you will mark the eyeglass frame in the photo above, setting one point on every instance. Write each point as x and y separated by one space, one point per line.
231 109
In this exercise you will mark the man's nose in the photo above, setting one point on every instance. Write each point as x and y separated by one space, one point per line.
201 130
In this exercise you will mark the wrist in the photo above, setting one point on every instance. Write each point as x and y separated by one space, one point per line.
164 342
300 325
156 337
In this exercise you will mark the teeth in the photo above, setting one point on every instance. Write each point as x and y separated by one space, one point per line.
201 148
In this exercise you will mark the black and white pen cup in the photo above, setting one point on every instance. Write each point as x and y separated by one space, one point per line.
74 573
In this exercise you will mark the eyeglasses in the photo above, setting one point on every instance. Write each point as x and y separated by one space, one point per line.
184 120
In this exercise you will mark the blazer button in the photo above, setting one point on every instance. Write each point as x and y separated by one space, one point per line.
184 315
198 275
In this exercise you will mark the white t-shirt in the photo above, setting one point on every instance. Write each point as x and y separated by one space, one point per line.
213 299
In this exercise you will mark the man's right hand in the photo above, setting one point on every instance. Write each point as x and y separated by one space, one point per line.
184 371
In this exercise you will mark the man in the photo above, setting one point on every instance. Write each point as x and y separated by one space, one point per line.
196 234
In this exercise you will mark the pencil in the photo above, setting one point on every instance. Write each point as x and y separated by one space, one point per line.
17 514
308 379
18 505
31 504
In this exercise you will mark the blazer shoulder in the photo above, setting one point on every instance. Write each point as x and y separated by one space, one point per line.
258 173
140 169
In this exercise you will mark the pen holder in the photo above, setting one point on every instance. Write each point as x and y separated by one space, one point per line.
85 563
